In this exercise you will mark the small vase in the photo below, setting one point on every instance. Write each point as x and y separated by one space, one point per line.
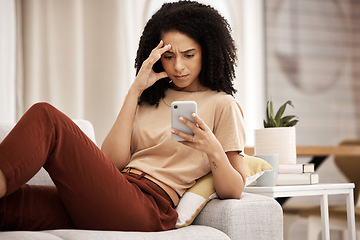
278 140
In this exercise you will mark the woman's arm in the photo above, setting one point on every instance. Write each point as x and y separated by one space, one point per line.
229 176
116 145
227 168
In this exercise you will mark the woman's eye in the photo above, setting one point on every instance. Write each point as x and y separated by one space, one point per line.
189 55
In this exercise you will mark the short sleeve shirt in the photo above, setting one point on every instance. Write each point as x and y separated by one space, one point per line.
153 151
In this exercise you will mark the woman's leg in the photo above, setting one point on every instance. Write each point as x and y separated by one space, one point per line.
33 208
22 154
95 194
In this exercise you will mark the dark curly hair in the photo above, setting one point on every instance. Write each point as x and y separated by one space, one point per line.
208 28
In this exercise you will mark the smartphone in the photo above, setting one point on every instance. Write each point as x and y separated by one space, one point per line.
184 109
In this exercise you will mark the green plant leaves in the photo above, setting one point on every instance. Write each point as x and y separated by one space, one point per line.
278 120
281 110
291 123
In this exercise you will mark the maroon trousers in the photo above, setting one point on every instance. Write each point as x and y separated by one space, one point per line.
90 192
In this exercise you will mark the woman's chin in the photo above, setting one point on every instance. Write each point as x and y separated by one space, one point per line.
185 86
177 86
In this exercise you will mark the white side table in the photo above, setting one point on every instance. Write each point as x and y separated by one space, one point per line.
322 190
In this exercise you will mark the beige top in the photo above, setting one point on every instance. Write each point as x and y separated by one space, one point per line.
178 166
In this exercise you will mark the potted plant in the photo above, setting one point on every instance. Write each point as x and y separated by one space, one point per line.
278 135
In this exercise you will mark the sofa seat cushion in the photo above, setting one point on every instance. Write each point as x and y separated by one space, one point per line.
186 233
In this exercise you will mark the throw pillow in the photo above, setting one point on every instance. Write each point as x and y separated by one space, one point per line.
196 197
254 168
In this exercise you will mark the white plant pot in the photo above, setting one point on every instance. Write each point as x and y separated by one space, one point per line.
280 140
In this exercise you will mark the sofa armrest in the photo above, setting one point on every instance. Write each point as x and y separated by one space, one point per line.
251 217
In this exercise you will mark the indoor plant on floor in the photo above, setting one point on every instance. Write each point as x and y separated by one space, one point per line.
278 135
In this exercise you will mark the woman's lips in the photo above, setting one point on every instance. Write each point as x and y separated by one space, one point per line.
181 77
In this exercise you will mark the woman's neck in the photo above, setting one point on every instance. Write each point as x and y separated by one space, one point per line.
199 88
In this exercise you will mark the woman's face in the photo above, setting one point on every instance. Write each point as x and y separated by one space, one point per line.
182 62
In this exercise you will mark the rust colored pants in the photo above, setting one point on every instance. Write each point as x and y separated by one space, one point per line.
90 192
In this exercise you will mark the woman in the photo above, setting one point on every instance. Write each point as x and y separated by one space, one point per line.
134 182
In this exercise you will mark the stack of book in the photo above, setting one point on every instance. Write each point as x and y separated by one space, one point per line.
297 174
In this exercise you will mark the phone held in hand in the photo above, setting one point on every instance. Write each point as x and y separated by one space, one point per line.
184 109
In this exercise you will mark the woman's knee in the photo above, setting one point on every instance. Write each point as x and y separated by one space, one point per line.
41 106
41 112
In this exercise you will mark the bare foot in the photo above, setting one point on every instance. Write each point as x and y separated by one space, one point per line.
2 184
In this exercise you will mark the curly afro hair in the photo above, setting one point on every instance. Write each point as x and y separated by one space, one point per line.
208 28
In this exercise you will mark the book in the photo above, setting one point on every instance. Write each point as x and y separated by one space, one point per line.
297 179
296 168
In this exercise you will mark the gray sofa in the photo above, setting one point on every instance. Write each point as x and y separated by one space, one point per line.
251 217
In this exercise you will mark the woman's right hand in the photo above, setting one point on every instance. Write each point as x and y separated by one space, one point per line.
146 77
117 143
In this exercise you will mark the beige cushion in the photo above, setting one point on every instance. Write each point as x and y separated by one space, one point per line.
195 198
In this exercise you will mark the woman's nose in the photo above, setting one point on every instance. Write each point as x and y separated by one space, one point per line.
179 64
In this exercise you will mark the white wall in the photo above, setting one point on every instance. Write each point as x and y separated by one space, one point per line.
253 77
7 60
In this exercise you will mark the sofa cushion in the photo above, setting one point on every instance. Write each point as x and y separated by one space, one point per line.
188 233
195 198
28 235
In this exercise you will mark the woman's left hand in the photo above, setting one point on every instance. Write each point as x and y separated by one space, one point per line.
227 168
203 139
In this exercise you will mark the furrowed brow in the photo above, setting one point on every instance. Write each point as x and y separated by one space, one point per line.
186 51
189 50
